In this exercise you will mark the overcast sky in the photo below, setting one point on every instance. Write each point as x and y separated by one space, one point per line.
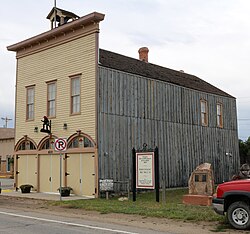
206 38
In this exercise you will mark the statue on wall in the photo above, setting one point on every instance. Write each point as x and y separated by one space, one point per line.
46 125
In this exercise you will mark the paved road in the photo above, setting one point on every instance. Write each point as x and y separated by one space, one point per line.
30 222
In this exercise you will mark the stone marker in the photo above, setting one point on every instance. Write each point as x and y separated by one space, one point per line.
201 186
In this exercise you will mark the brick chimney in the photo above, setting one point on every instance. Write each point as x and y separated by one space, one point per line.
143 54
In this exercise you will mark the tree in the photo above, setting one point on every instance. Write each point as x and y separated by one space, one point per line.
244 148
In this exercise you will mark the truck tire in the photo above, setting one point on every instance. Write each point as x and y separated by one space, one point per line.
238 215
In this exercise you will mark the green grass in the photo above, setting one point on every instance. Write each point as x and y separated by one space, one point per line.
146 205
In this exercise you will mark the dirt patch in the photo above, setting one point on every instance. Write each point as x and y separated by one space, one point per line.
159 224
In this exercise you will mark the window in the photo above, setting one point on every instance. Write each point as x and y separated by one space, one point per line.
48 144
51 99
219 115
75 95
204 113
30 103
8 164
26 145
79 142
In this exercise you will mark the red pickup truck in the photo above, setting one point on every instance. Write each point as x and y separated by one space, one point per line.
233 198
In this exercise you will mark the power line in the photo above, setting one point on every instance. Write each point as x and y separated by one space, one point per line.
6 119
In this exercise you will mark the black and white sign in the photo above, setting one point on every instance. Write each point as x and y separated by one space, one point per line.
60 144
107 185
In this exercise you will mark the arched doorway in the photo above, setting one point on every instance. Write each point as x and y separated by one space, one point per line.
80 165
49 165
26 162
39 165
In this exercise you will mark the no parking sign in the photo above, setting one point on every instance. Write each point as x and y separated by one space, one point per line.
60 144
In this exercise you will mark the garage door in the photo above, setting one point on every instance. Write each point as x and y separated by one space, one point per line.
49 173
81 173
27 170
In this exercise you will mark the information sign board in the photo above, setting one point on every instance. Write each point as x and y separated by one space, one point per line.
145 170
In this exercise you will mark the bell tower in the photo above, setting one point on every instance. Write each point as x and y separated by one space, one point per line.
59 17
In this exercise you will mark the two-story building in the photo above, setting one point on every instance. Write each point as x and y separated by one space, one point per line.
105 104
7 144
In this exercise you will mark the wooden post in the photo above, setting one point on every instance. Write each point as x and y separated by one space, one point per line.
157 175
134 174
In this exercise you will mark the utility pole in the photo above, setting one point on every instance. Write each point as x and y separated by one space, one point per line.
6 121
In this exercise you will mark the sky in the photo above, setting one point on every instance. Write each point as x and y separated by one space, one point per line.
209 39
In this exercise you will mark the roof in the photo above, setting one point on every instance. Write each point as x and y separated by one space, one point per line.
91 18
127 64
68 13
7 133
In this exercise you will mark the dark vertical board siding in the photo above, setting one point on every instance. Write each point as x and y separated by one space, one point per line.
134 110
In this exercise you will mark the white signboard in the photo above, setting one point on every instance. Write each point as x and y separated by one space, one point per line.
145 170
60 144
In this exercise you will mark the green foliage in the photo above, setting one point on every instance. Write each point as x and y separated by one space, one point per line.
146 206
244 148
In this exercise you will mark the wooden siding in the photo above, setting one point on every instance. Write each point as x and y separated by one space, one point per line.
134 110
58 63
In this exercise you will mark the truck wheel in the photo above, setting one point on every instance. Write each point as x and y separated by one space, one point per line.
238 215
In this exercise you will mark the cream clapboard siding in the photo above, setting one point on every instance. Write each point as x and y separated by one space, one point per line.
58 63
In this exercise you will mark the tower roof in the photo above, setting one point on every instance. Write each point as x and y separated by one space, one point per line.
62 16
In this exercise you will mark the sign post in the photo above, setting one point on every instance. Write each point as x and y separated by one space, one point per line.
60 146
145 170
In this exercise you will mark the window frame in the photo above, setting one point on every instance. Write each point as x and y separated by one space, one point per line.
8 166
205 113
72 96
54 82
219 116
28 104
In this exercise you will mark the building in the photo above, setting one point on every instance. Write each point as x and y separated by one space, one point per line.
105 104
7 144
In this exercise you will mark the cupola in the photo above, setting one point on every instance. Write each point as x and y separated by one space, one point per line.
62 17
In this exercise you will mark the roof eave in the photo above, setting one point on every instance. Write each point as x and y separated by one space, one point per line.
94 17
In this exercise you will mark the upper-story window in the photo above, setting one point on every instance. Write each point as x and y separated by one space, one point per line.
204 113
219 115
75 95
51 99
30 105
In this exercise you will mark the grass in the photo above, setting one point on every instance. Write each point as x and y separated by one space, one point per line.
146 206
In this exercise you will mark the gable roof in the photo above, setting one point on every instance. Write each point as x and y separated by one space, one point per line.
7 133
127 64
68 13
